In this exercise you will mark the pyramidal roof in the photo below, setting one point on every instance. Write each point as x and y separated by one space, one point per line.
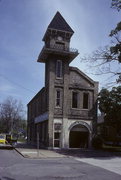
59 23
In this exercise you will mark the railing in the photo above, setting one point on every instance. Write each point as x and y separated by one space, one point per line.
61 48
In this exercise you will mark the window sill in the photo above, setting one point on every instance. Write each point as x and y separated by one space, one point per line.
79 109
58 107
85 109
75 108
59 77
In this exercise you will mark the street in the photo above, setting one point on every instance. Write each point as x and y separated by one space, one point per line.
15 167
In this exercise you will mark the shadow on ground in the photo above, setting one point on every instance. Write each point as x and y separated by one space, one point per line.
81 153
86 153
25 146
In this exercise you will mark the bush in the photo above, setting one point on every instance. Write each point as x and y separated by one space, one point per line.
97 142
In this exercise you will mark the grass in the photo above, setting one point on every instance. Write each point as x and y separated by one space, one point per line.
111 148
22 140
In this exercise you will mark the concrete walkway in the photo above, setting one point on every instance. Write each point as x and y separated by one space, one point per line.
113 164
41 153
108 160
30 151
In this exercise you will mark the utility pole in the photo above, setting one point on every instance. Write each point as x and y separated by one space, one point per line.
37 141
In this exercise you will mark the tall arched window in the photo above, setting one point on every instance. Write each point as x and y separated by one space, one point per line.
85 100
58 68
58 98
74 99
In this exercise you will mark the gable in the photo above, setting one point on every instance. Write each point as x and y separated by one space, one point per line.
77 77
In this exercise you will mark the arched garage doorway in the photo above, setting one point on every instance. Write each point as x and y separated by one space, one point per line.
79 136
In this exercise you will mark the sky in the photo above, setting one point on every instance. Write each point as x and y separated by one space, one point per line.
22 27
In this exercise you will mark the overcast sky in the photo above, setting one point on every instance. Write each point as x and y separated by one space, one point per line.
22 26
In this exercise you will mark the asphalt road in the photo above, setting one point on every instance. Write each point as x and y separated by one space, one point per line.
15 167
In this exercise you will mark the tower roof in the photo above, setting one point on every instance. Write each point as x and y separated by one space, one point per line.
59 23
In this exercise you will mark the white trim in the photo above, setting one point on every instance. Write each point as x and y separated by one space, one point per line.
81 123
58 121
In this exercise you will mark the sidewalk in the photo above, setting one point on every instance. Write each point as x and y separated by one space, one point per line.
31 152
104 159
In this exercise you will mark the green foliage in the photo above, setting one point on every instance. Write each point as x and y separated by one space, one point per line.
116 4
110 105
97 142
116 30
116 49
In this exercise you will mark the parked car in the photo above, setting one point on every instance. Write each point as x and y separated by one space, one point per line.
11 140
2 139
7 139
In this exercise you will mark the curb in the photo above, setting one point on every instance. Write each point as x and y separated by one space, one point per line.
10 147
19 152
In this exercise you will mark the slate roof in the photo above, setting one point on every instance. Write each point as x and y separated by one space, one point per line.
59 23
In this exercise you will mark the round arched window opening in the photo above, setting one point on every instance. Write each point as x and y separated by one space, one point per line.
78 137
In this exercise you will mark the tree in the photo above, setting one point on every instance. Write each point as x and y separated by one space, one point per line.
11 115
110 105
107 58
116 4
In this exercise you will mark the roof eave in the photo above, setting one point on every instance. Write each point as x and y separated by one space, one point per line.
44 37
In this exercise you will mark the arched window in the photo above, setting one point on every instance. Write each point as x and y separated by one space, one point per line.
74 99
85 100
58 68
58 98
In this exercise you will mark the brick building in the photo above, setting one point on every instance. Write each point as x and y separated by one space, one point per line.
63 112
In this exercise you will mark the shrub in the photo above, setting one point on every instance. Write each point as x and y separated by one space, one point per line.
97 142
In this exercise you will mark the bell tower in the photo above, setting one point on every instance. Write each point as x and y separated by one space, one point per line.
57 46
57 54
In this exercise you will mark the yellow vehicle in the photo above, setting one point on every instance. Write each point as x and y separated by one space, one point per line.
7 139
2 139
